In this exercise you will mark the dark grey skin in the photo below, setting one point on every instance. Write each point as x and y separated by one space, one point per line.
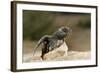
51 42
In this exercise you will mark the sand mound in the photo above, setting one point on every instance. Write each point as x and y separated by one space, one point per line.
58 54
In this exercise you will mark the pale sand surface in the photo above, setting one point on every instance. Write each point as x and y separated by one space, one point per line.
72 55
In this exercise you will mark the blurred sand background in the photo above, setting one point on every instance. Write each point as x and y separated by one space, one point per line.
39 23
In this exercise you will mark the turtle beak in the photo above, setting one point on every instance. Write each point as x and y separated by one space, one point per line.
70 30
